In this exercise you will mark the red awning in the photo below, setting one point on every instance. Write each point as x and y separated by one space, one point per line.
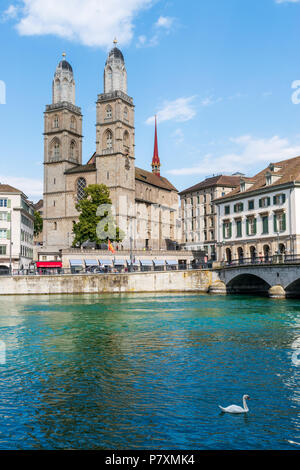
48 264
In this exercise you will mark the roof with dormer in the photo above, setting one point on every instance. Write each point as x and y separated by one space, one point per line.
219 180
288 171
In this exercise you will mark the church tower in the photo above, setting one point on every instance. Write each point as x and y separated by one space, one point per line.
62 151
115 134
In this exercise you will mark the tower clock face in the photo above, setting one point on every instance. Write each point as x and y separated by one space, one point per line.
127 164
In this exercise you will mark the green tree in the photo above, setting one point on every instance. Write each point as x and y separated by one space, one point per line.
38 224
96 221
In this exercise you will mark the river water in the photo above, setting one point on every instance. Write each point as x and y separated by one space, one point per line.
146 371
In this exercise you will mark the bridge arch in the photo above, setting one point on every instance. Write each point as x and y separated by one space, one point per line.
248 284
293 289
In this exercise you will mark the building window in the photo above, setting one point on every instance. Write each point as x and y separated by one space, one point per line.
227 230
3 234
56 149
2 249
279 199
3 203
125 114
251 226
73 123
239 207
72 149
126 141
4 216
81 185
250 205
265 224
55 122
108 139
279 222
227 210
108 112
265 202
55 226
238 228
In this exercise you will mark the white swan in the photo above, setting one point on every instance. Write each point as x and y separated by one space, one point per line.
237 409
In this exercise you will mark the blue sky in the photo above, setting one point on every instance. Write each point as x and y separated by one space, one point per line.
218 73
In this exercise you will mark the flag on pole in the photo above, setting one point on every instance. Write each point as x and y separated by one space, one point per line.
110 247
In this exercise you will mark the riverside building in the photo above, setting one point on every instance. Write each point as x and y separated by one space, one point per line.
258 219
198 212
146 204
16 230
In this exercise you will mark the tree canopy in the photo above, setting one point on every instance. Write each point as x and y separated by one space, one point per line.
38 224
96 221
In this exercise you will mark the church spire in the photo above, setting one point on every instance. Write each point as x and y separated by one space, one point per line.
155 159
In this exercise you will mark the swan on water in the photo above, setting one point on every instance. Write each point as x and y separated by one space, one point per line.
237 409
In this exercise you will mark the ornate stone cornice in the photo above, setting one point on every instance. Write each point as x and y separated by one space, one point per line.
63 105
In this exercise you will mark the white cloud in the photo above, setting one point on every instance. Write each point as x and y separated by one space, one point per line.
249 151
165 22
90 22
179 110
210 100
10 13
33 188
143 41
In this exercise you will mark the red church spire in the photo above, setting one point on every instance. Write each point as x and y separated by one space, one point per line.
155 159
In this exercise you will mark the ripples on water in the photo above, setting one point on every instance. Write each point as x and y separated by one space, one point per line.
148 372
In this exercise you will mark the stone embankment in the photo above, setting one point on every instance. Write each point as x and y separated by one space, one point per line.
170 281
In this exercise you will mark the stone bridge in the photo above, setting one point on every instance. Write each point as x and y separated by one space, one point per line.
275 280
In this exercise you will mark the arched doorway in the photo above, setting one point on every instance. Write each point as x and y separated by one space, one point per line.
4 270
228 255
266 252
252 254
240 253
281 249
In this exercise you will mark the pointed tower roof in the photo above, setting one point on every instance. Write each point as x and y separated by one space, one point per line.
155 159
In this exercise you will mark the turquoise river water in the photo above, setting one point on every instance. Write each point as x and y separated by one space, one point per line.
144 371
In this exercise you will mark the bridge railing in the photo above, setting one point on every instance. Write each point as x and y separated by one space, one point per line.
263 260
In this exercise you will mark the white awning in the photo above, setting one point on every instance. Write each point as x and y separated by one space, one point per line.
91 262
120 262
159 262
75 262
106 262
146 262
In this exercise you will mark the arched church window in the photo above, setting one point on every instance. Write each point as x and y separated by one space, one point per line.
72 149
108 112
73 123
56 121
108 138
81 185
55 149
126 141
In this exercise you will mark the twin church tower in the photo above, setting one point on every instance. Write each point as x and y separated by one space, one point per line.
145 203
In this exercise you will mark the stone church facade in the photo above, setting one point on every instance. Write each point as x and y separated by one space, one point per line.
145 204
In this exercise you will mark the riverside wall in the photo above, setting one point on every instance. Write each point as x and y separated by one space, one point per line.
160 281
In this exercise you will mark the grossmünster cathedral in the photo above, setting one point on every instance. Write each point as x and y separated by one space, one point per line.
145 203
